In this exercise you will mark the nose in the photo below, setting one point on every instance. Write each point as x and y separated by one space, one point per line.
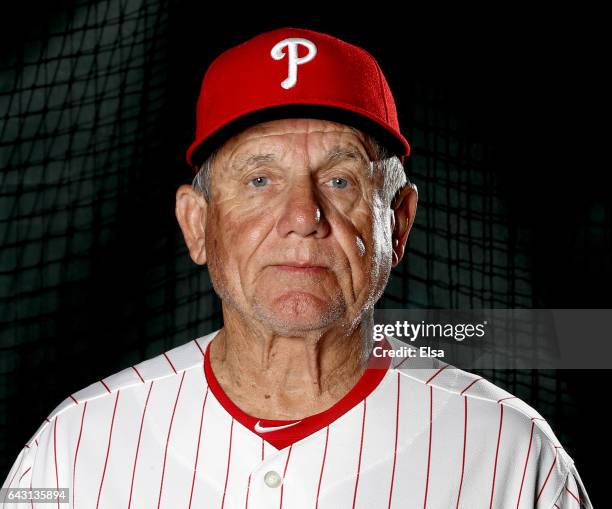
301 212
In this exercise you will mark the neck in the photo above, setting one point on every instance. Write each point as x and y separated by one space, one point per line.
281 376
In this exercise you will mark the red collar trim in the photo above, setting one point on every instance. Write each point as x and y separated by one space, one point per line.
302 428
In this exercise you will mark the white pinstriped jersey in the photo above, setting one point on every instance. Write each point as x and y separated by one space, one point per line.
160 434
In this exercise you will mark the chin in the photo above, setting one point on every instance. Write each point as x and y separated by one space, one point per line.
300 312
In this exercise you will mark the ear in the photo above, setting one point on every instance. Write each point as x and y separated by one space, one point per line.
191 209
404 209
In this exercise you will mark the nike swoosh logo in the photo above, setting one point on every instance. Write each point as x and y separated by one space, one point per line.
260 429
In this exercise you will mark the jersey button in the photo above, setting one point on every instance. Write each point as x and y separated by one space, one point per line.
272 479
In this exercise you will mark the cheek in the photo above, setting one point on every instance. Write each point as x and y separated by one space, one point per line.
355 239
235 236
367 244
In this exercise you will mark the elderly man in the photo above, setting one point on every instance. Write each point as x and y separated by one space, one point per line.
300 208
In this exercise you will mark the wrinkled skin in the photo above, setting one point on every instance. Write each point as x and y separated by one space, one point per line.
299 248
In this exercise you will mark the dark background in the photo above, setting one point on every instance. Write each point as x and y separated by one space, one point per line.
504 114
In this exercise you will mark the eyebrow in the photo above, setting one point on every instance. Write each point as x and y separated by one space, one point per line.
339 153
336 154
253 160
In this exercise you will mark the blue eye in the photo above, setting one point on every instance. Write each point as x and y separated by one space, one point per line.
259 181
339 183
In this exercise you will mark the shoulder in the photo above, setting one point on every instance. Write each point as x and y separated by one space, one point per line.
166 366
60 433
454 383
487 410
492 427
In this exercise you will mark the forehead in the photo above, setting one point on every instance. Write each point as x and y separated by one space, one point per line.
281 130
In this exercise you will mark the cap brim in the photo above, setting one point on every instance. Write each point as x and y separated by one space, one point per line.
198 152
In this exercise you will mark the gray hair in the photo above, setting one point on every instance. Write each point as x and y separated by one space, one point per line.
382 160
390 167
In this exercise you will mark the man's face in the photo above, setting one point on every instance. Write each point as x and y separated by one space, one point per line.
296 234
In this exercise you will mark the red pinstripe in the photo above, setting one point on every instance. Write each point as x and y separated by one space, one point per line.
430 438
23 475
477 380
161 484
55 454
397 407
557 506
284 475
465 422
74 399
76 454
138 373
170 362
246 504
110 436
17 470
322 466
398 365
525 467
195 466
360 451
501 420
199 347
32 477
504 399
575 497
229 457
436 373
262 449
144 410
546 480
105 386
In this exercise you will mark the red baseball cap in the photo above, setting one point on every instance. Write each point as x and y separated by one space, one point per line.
293 73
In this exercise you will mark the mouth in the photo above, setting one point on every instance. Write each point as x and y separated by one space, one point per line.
300 268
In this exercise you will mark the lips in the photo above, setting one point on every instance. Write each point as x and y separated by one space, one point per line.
300 268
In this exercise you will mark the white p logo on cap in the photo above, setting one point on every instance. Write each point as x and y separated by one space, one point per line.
292 44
